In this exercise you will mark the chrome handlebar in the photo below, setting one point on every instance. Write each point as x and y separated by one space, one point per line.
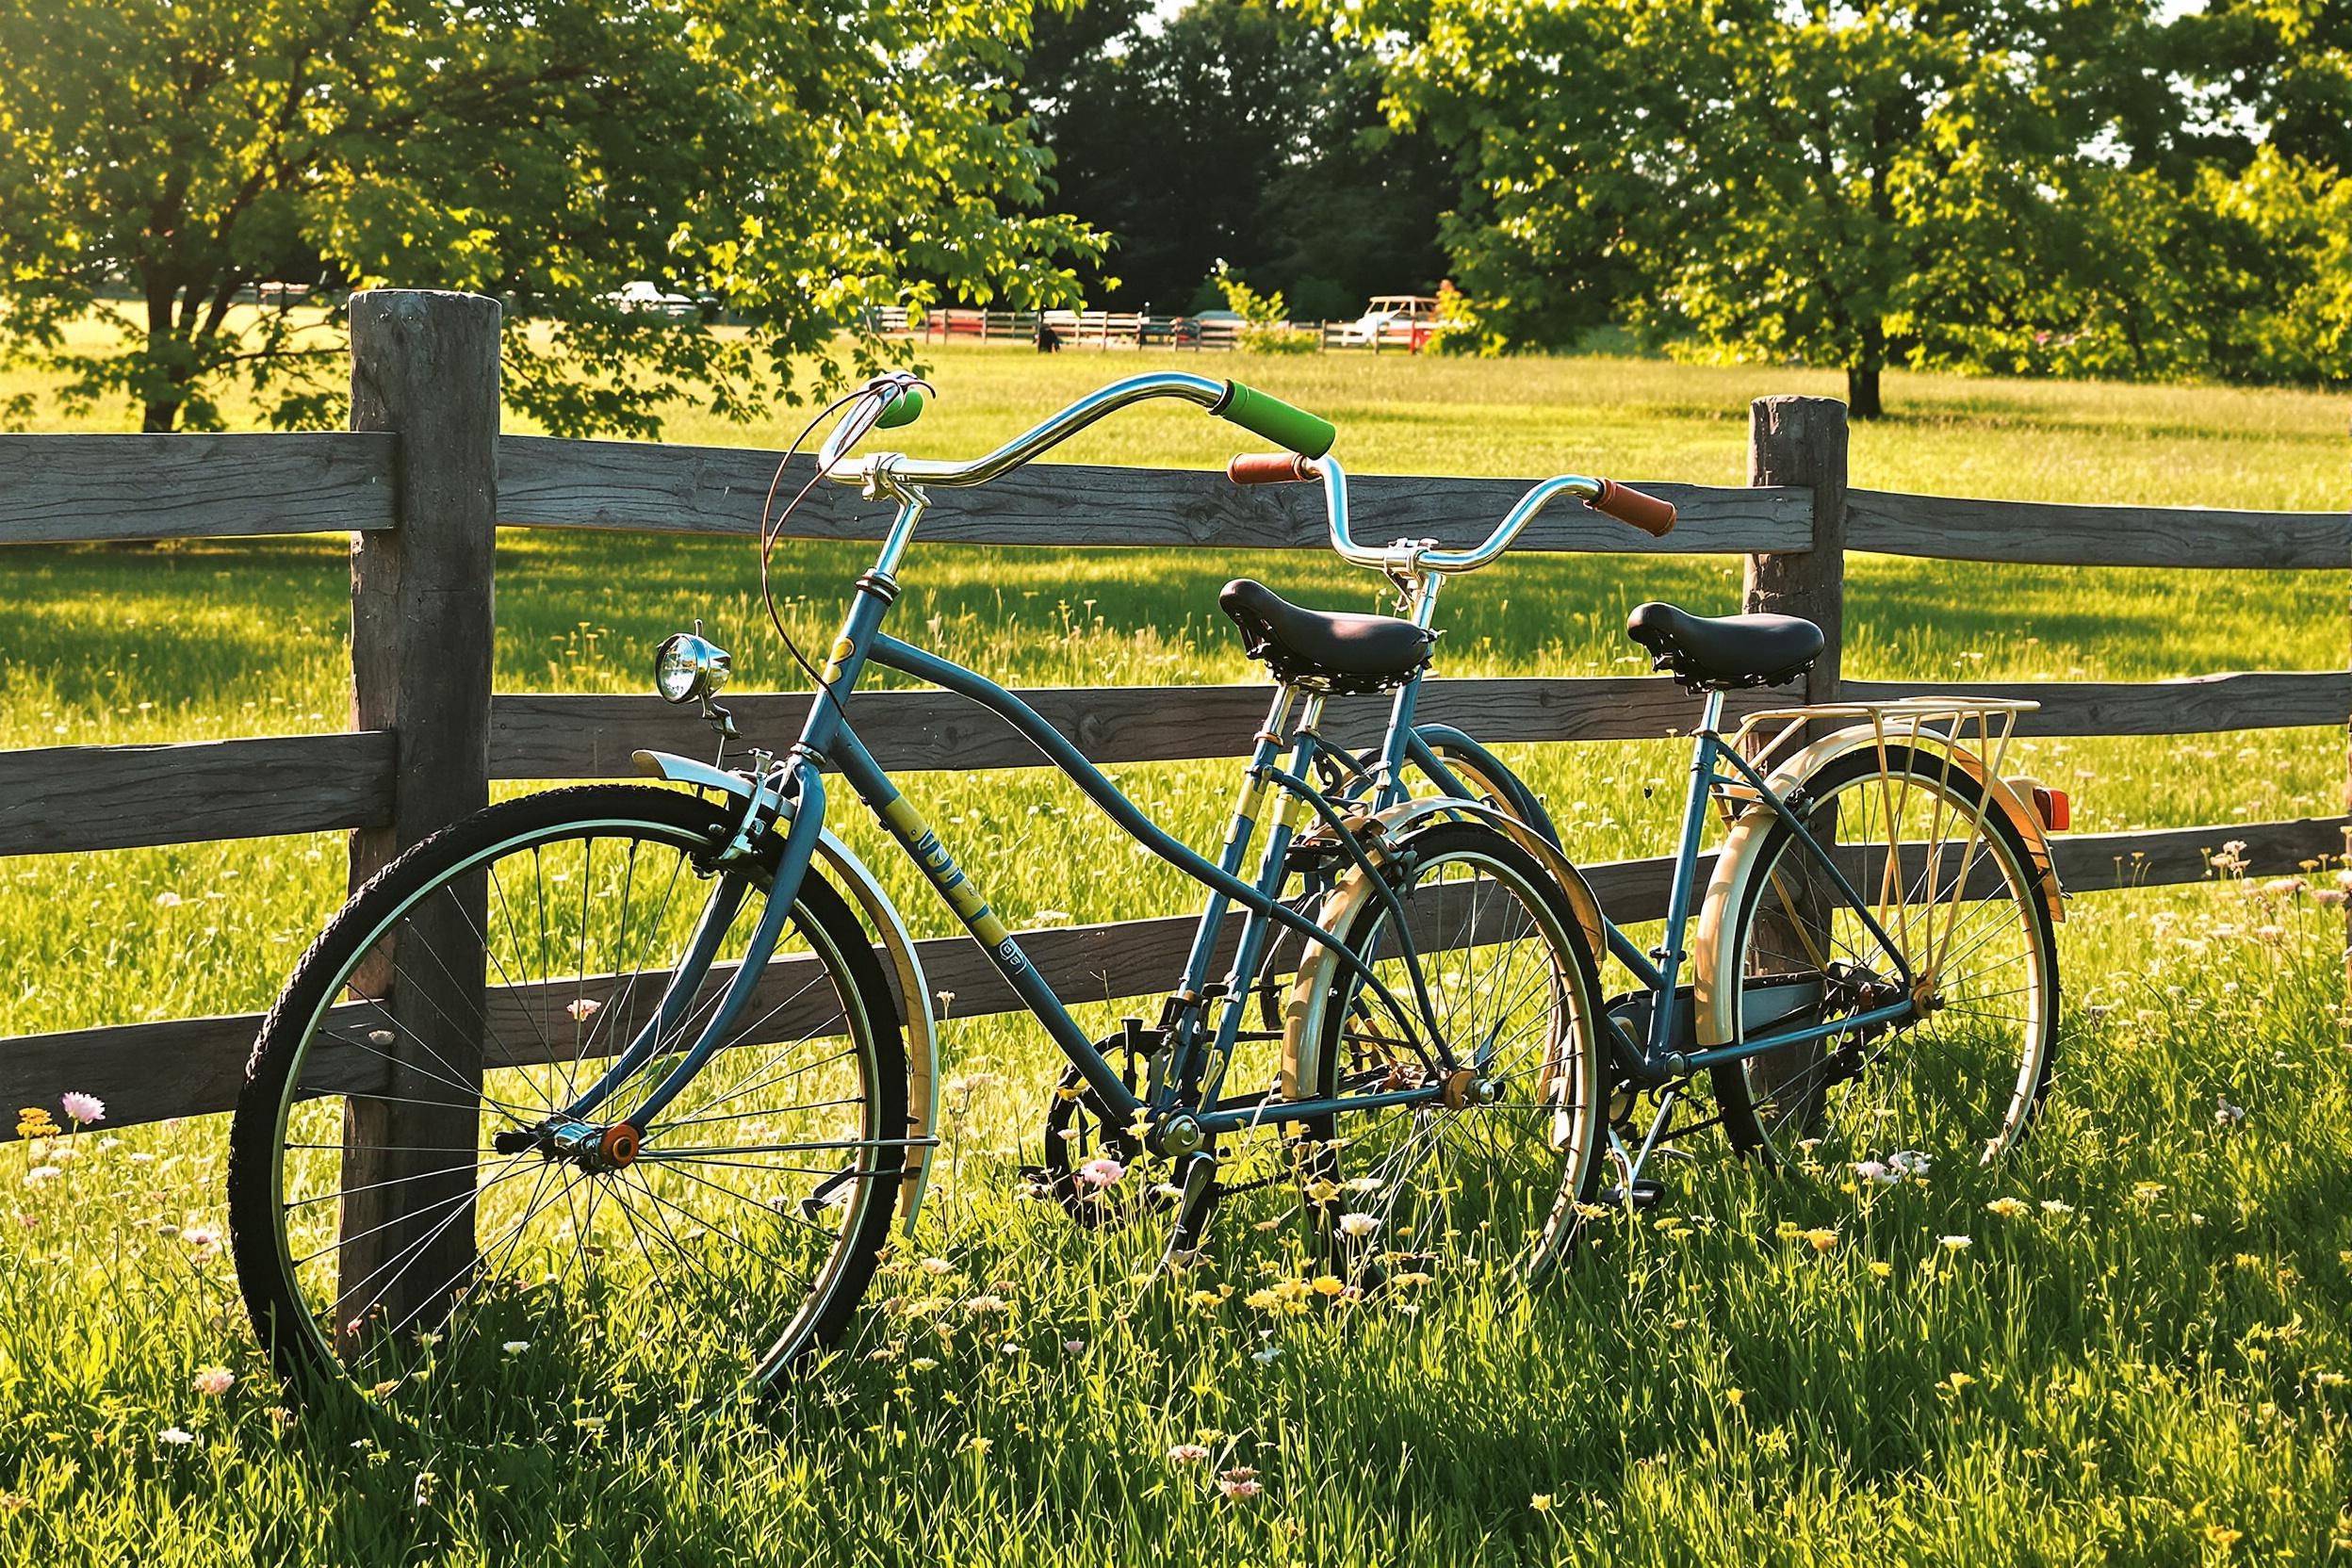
1422 555
869 470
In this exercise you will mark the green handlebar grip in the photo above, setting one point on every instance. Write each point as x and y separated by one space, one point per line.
902 409
1269 417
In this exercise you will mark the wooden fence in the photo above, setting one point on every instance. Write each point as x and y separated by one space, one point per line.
1112 329
423 479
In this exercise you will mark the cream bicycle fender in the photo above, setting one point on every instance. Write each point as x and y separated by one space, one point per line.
1312 987
914 994
1715 1003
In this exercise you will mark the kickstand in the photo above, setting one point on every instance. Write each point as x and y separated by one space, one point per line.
1636 1191
1199 1180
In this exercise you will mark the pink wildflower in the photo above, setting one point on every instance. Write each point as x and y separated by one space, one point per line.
1101 1172
86 1110
212 1381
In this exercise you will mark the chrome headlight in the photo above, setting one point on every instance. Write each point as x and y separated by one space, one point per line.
687 667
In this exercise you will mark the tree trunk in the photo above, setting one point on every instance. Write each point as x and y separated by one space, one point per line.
1862 392
160 416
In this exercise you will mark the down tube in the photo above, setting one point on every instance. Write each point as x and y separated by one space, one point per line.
962 895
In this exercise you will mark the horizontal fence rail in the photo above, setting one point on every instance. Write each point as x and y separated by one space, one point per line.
190 1067
78 489
455 475
643 487
2054 533
70 799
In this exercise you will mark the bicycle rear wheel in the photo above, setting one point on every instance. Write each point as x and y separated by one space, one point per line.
400 1228
1489 1178
1953 888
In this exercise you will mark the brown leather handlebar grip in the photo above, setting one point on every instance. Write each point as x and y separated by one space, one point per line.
1269 468
1627 505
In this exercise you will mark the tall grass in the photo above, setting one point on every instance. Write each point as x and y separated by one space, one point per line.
2151 1370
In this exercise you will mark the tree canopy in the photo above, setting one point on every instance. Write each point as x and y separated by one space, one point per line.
1982 184
1240 133
799 160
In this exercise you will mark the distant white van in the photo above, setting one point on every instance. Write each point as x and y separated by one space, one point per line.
1389 311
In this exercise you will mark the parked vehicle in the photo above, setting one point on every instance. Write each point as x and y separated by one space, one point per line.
1390 311
650 297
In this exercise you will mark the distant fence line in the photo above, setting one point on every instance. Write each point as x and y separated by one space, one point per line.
426 476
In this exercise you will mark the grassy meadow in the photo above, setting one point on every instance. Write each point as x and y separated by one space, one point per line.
2147 1362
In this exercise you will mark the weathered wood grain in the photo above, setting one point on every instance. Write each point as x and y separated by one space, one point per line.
192 1067
73 489
424 366
554 735
1955 528
57 800
544 483
2196 704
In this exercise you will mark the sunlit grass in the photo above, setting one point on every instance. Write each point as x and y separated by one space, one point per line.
2151 1373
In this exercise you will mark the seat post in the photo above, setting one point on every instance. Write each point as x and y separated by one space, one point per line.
1711 716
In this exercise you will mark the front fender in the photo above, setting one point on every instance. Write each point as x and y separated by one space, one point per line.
914 994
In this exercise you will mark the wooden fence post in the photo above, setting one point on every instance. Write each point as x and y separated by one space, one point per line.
1801 441
425 367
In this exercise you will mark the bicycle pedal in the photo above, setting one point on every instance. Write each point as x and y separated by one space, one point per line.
1648 1193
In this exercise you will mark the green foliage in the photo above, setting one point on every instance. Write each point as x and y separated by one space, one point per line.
1974 183
1239 131
798 163
1265 317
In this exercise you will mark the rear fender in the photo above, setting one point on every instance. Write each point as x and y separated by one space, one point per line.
1715 989
1319 966
915 1012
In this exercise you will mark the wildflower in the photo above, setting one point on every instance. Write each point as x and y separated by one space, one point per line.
978 1305
1265 1355
1957 1244
935 1266
978 1447
2223 1537
1329 1285
923 1364
515 1346
1957 1382
1412 1277
1074 1346
1186 1453
169 900
40 1173
2227 1115
1541 1502
1357 1225
83 1110
2056 1205
1736 1397
177 1437
2008 1208
1239 1484
33 1121
591 1424
1907 1162
1877 1170
583 1009
1881 1268
2148 1192
212 1381
1101 1172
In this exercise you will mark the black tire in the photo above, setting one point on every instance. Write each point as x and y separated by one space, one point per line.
441 868
1328 1148
1863 1097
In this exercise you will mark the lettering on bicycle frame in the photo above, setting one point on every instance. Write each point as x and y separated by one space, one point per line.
963 896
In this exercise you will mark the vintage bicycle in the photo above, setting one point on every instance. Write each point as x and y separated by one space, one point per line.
1871 965
632 1079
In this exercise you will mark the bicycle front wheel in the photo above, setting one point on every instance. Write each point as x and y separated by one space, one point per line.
402 1221
1957 906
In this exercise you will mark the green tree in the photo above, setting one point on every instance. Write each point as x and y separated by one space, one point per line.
1857 184
800 160
1238 132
